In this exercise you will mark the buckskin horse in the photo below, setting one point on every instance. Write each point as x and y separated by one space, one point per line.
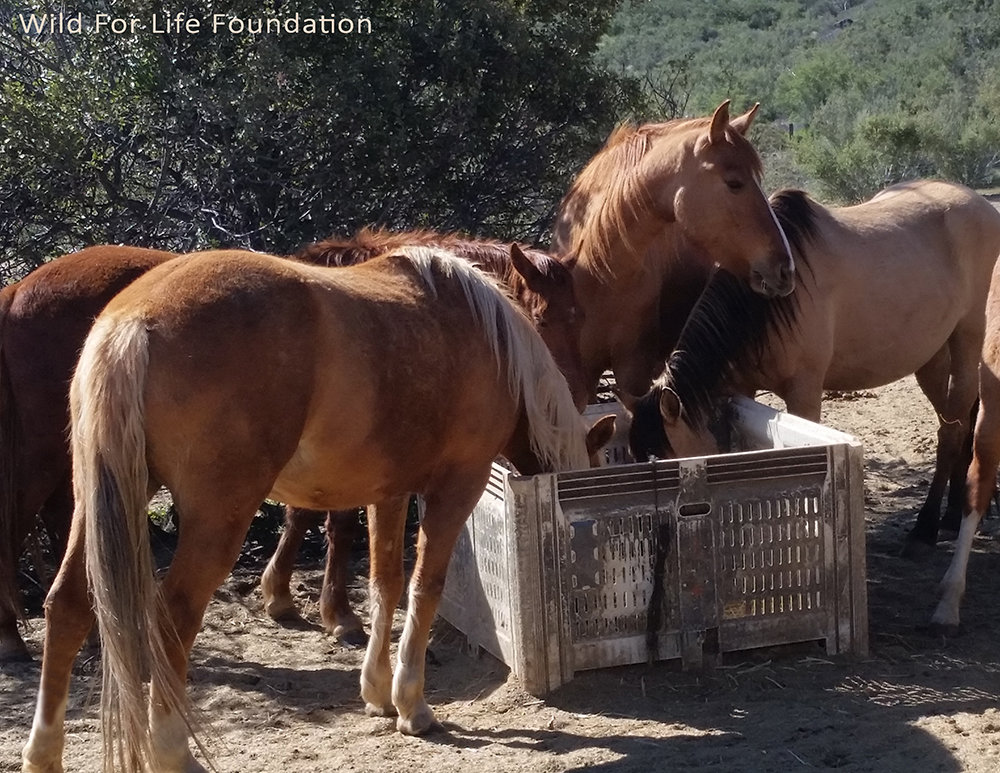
44 319
894 286
229 377
644 223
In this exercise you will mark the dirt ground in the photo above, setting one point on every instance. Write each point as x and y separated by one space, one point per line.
286 698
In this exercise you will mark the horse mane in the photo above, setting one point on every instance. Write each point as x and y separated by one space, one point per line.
731 326
797 216
617 174
557 434
491 255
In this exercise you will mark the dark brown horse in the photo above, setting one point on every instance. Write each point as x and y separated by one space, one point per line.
647 219
44 319
229 377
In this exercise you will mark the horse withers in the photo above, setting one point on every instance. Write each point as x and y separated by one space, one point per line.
894 286
646 220
229 377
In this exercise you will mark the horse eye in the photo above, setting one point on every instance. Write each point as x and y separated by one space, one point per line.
734 185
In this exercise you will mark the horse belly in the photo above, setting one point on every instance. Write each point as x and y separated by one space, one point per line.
880 353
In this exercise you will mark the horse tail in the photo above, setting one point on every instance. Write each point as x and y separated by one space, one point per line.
9 533
111 480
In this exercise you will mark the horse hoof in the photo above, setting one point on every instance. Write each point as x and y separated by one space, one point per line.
351 638
420 723
916 550
281 609
380 711
15 656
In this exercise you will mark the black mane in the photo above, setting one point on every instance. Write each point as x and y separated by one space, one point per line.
726 333
796 215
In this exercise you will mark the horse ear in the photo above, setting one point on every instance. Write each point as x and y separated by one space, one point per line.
670 406
627 400
600 433
741 123
526 267
720 120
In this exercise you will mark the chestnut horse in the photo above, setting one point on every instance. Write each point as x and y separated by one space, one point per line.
232 376
44 319
983 470
894 286
647 219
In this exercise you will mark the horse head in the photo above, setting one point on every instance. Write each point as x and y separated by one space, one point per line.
661 428
715 197
548 297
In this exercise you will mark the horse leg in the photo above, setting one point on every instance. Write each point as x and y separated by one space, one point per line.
276 579
448 507
954 508
342 527
68 619
804 398
980 486
386 529
55 506
954 409
209 544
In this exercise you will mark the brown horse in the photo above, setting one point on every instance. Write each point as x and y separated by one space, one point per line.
646 220
983 470
231 376
45 317
890 287
43 321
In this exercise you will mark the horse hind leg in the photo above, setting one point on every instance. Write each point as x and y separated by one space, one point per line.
276 580
212 531
949 382
342 527
954 509
981 483
68 619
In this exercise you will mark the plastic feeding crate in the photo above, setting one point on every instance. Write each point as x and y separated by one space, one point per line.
564 572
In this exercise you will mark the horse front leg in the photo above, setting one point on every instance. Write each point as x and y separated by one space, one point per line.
447 509
275 582
342 528
68 619
386 532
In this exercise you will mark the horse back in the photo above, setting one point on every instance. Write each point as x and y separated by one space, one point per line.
298 370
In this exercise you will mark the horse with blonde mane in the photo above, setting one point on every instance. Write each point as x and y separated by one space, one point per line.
890 287
44 319
231 376
646 220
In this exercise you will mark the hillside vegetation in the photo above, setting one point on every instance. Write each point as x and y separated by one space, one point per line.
875 91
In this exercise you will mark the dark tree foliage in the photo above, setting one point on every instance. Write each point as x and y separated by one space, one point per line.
457 114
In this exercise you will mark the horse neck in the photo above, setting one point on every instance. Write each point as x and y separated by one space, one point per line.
727 334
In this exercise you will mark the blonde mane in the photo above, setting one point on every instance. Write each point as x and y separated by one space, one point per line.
557 430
